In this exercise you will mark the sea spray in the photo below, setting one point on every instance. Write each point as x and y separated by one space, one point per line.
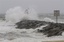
17 14
32 14
48 19
14 14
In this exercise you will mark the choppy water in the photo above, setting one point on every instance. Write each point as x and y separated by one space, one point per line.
51 16
10 33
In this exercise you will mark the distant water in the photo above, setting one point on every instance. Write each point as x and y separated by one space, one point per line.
41 16
60 18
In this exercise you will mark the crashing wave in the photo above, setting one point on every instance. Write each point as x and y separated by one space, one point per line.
48 19
17 14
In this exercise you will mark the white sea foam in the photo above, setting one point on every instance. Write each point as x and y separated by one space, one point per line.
48 19
24 35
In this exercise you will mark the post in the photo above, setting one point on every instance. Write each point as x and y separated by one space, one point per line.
56 19
56 14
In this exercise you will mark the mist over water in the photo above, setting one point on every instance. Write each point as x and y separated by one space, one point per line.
17 14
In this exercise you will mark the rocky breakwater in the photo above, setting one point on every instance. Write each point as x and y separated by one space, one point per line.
27 24
53 29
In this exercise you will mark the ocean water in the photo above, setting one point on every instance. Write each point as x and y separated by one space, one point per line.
51 16
8 33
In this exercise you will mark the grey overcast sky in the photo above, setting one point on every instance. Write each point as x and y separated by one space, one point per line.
41 6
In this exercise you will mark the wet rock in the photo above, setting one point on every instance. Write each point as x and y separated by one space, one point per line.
27 24
53 29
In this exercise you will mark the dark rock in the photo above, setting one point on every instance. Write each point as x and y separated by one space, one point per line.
40 30
53 29
27 24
